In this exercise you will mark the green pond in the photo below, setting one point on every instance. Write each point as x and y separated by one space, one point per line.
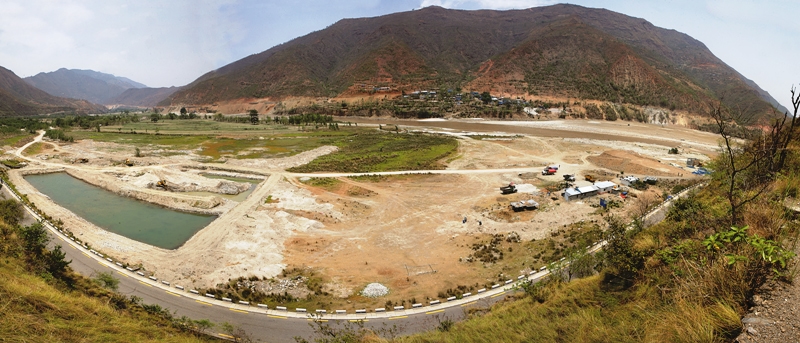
137 220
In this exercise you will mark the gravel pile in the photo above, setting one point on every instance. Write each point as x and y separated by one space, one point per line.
374 290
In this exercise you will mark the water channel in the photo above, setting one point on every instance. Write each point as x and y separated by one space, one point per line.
137 220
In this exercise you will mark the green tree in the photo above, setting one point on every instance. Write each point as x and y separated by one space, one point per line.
154 117
183 110
107 280
253 117
486 97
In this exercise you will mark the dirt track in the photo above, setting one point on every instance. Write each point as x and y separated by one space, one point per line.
393 231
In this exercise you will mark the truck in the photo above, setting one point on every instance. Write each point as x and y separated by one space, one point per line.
569 177
511 188
549 171
589 178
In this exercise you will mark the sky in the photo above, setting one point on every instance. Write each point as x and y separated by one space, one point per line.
171 43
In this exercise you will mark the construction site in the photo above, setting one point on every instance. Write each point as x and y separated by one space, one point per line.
419 233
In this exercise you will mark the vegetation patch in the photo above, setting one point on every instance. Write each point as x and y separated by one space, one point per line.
376 151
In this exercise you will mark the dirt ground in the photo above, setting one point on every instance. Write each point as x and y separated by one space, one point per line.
406 232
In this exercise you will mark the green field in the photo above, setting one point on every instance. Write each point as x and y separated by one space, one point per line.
360 149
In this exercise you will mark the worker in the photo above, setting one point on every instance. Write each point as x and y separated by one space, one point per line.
480 223
464 221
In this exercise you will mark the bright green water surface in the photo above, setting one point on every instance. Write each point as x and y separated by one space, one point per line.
137 220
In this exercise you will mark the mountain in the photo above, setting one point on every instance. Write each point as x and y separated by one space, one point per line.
82 84
142 97
564 51
17 97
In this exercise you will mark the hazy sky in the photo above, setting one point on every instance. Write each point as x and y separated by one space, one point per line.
165 43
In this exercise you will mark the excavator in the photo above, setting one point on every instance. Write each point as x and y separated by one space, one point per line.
128 162
162 184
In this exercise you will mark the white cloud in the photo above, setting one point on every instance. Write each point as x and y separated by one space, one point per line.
487 4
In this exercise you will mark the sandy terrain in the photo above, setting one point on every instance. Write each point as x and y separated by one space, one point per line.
395 231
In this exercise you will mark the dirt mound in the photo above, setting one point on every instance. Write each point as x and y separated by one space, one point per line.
633 163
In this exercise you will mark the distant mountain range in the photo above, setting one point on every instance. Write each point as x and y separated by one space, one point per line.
562 51
89 85
100 88
17 97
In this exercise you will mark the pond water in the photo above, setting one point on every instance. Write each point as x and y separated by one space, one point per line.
137 220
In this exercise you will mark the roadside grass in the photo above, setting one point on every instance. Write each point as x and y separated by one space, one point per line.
34 149
372 151
326 183
14 139
35 311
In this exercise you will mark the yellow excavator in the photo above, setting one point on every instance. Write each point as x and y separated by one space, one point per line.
162 184
128 162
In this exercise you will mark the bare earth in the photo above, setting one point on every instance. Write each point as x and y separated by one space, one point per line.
395 231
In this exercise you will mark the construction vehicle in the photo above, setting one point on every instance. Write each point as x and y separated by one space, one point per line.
511 188
83 160
569 177
162 184
128 162
549 171
589 178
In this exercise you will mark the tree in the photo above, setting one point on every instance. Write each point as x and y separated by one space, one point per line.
183 110
254 117
106 280
154 117
172 115
486 97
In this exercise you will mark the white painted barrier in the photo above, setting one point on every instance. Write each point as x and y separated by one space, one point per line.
140 273
416 305
382 309
482 290
109 260
300 310
153 278
494 286
399 308
244 302
361 311
118 264
435 302
194 291
165 282
263 305
179 287
321 311
341 311
466 295
211 296
280 308
451 298
227 299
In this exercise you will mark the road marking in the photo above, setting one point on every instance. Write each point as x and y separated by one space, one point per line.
235 310
123 274
497 295
278 317
358 320
432 312
144 283
175 294
203 302
317 320
73 247
469 303
100 263
226 336
398 317
87 255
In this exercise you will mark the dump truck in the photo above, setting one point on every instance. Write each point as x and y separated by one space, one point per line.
511 188
589 178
